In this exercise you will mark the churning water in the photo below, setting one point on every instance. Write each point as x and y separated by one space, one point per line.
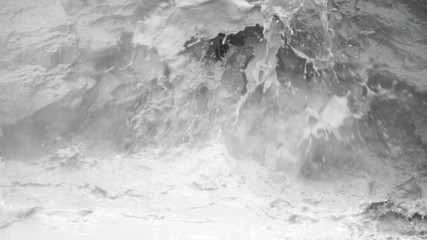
213 119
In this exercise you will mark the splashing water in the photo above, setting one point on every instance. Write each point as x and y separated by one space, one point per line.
186 91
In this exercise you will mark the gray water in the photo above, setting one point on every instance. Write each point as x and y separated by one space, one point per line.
323 91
